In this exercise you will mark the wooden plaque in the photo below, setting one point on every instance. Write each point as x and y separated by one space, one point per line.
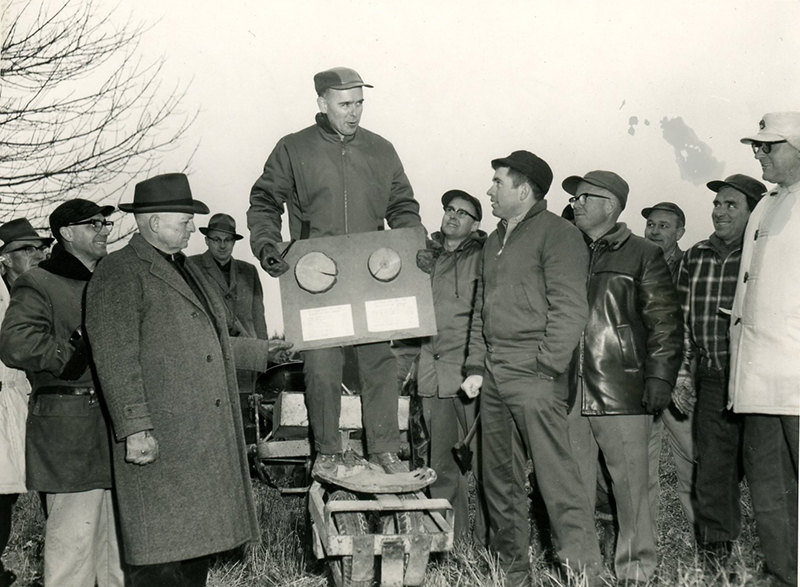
372 296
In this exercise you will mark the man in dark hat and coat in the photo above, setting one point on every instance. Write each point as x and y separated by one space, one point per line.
67 444
238 284
165 360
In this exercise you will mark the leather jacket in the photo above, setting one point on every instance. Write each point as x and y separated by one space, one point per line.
635 327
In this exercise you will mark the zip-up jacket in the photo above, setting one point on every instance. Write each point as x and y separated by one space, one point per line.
635 327
331 185
533 293
454 280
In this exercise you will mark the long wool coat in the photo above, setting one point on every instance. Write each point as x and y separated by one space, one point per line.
166 365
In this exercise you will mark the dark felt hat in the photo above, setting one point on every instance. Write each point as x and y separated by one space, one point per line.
73 211
338 78
451 194
19 230
752 189
222 223
164 193
608 180
666 207
534 168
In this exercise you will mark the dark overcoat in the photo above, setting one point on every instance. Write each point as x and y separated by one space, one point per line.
165 363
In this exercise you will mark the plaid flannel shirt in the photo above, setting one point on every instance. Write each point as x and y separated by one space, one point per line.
707 278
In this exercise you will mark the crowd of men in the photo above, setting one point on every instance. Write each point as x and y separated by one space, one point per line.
582 342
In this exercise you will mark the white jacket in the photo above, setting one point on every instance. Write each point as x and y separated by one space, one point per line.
765 325
13 413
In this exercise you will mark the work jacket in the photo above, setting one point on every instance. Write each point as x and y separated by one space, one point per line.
635 327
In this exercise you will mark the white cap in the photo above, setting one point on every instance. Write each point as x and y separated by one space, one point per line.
778 126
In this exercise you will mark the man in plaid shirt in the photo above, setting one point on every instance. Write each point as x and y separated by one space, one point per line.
707 279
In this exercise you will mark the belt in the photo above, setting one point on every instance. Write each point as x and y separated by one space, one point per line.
64 390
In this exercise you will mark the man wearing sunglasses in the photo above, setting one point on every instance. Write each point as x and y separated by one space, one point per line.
765 344
448 413
67 441
626 365
238 284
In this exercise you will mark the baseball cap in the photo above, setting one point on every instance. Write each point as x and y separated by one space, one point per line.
73 211
534 168
338 78
603 179
666 207
752 189
451 194
778 126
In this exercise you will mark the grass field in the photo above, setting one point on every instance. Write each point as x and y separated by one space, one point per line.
284 557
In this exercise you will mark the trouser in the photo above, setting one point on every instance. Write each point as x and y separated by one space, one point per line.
624 442
719 448
187 573
522 411
7 501
680 435
323 377
770 465
448 420
80 541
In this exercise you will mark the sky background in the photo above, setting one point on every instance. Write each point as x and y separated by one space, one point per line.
660 93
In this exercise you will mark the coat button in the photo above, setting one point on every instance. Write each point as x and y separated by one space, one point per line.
218 403
195 314
436 357
227 296
208 358
746 276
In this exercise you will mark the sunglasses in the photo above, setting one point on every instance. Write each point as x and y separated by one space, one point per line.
766 148
460 213
97 225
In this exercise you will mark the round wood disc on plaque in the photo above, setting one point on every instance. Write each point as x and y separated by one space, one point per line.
384 264
315 272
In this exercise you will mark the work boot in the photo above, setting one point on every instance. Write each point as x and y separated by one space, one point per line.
390 462
325 466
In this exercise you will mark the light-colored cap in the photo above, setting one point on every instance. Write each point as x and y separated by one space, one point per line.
778 126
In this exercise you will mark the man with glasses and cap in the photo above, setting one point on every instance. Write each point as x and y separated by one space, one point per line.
21 248
625 367
167 367
67 441
454 268
336 178
238 284
765 344
533 310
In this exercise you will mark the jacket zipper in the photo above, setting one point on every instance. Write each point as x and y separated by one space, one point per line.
344 186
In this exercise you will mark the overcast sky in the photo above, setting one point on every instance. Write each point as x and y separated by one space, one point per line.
660 92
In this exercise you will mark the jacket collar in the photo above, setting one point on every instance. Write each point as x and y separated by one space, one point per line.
212 269
615 237
65 264
328 132
536 209
716 244
476 239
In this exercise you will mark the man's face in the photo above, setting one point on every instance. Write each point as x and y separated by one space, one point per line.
27 256
664 228
220 245
87 243
343 108
596 210
174 230
458 226
507 200
781 165
730 214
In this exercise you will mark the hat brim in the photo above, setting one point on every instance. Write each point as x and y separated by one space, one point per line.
205 230
570 185
646 212
196 207
763 137
453 194
717 185
511 164
45 240
350 86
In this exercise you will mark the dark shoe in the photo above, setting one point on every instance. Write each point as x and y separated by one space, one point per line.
390 462
325 467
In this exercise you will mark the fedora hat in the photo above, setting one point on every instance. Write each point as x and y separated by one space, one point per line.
19 230
164 193
222 223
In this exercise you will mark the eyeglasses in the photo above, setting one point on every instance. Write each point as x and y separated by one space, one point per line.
460 213
221 241
30 249
583 197
766 148
97 225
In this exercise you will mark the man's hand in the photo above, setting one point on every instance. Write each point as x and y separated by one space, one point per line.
472 385
272 262
278 350
684 396
141 448
657 394
426 258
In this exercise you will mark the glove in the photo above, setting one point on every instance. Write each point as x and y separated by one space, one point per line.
657 394
472 385
426 258
272 262
684 396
